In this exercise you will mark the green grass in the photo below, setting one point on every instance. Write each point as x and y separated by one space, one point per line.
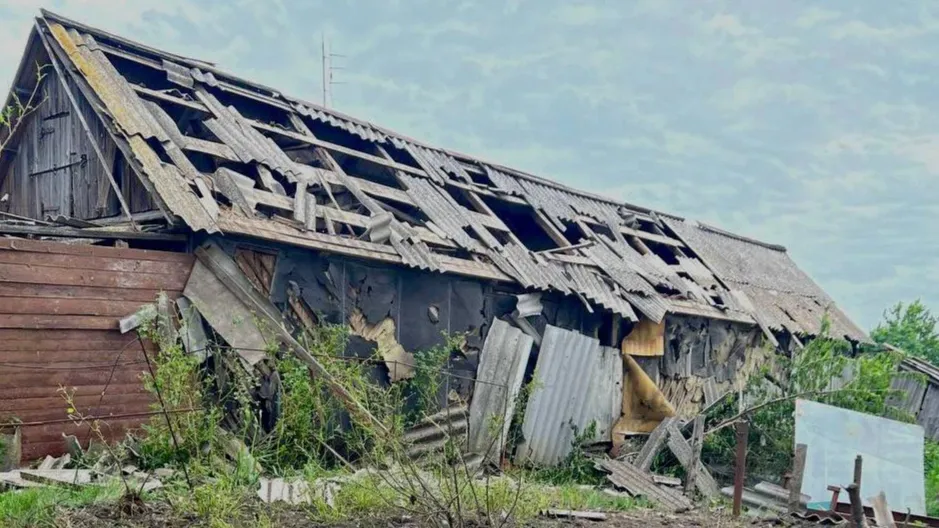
37 507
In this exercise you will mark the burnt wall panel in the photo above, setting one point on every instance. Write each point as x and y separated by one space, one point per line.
425 310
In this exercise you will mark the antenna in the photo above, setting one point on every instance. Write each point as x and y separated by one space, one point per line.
328 71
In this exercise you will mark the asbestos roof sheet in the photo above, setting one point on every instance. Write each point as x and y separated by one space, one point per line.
577 383
641 484
272 135
783 295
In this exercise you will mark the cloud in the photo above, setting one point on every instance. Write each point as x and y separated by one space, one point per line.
814 16
729 25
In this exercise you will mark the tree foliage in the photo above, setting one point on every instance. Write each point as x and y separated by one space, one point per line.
823 371
912 328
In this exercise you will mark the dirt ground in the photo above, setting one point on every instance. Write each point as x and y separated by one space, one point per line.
161 516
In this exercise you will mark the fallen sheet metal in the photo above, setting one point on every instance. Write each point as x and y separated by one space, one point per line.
498 381
577 383
640 484
892 453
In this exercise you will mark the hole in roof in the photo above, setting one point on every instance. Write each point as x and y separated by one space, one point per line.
664 251
459 195
333 134
573 233
478 175
521 221
142 75
256 110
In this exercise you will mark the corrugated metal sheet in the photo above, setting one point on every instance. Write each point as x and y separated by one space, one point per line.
59 311
640 484
577 382
498 381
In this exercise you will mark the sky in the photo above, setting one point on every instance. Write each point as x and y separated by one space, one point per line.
814 125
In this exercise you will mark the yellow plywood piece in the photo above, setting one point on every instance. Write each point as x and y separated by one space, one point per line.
646 339
644 405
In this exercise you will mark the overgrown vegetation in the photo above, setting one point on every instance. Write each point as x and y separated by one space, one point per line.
912 328
212 407
823 371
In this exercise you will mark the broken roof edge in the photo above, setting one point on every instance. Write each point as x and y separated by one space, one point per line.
273 92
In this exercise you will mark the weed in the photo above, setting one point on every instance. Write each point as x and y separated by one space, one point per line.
38 506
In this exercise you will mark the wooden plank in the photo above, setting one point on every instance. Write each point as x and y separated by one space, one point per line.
36 274
71 232
87 358
19 289
552 231
795 480
57 248
654 443
95 263
51 380
697 441
55 322
115 388
71 336
682 451
44 306
882 513
647 339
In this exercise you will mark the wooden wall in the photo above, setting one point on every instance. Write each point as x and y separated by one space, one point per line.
56 170
59 312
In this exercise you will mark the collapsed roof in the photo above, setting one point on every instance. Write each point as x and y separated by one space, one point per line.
220 154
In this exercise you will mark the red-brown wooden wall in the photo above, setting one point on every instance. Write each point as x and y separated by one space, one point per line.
59 311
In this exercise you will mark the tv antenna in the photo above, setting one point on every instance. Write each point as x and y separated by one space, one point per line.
328 71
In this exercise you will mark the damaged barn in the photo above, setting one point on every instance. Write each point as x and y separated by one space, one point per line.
294 216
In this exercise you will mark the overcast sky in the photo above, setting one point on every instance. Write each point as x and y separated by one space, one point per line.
816 128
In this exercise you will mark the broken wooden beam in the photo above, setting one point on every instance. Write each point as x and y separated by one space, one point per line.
654 443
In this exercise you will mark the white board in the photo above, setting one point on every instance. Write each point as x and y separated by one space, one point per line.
892 455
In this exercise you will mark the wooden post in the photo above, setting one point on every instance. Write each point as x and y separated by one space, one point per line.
857 507
858 461
740 468
854 493
697 439
795 481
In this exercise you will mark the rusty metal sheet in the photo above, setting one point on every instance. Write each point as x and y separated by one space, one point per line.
577 383
498 381
640 484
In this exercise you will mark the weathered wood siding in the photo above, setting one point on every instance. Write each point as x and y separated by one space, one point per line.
57 171
59 312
